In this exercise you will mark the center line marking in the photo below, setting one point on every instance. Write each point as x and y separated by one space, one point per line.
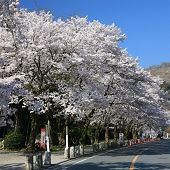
135 159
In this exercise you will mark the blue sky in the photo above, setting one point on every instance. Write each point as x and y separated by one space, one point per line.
146 23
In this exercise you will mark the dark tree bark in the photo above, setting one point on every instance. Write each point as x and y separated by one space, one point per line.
53 130
115 132
107 131
83 139
98 130
84 132
35 120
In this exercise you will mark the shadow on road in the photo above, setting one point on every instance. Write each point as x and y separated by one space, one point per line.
18 166
122 158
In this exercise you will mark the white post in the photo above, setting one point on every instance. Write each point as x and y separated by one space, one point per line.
47 137
66 137
48 144
67 150
47 160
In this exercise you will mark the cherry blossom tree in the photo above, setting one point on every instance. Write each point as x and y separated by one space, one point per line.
75 65
133 94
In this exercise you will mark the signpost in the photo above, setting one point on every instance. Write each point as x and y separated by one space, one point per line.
121 137
42 143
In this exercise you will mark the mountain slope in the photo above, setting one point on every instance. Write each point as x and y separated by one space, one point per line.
163 71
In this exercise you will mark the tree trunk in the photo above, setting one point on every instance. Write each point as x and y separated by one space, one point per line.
53 129
33 133
54 136
134 133
92 140
84 133
54 141
85 129
60 122
128 131
17 125
115 133
107 130
61 138
96 140
97 134
107 133
127 134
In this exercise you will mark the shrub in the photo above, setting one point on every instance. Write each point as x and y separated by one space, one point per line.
14 141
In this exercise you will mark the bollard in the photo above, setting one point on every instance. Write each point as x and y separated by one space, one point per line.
72 152
38 162
77 151
108 145
81 150
134 141
94 147
138 141
29 162
47 159
125 143
101 146
67 153
130 143
114 144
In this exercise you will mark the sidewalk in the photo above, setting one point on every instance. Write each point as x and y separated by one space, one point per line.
16 160
58 157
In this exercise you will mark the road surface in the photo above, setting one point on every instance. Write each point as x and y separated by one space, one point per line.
148 156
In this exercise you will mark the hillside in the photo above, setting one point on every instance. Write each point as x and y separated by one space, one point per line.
162 70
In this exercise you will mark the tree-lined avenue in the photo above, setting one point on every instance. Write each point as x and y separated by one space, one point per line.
153 155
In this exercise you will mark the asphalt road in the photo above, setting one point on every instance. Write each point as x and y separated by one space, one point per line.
148 156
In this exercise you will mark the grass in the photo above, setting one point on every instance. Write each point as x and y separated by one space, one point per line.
56 148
